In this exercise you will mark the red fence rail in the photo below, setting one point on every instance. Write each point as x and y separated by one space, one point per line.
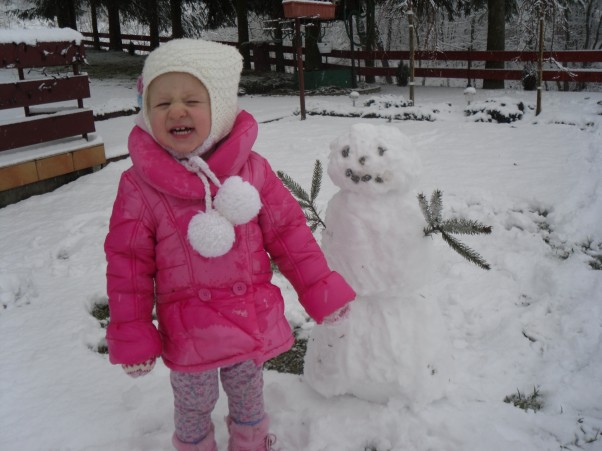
129 42
561 72
581 66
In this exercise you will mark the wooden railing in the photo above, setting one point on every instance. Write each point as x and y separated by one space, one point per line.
437 64
129 42
582 66
35 129
39 121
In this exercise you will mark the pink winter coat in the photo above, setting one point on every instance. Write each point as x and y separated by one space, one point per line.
211 312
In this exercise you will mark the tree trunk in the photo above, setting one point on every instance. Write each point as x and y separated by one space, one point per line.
278 12
567 40
243 32
496 38
177 29
370 43
72 14
313 58
114 25
65 14
153 23
94 18
384 61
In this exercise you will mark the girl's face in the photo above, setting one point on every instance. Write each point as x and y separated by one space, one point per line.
179 112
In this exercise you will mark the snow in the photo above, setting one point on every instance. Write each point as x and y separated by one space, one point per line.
31 36
534 321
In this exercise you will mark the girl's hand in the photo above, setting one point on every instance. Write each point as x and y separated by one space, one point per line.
139 369
337 316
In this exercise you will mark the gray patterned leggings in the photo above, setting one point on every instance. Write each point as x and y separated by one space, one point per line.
195 396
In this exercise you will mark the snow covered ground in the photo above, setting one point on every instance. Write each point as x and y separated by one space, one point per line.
533 322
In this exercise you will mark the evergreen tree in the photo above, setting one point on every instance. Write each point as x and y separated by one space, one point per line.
115 42
64 11
175 9
496 38
243 32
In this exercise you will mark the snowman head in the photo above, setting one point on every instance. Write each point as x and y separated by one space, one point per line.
373 159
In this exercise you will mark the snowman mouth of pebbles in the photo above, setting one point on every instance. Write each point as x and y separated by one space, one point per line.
359 177
373 160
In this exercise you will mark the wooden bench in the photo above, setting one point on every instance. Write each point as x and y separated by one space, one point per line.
46 134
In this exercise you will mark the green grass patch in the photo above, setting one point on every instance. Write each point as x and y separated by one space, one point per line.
101 347
100 311
533 401
291 361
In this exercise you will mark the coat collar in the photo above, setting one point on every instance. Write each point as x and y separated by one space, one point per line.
164 173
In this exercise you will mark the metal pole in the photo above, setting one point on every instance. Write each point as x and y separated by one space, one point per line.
469 65
300 67
352 48
539 67
411 29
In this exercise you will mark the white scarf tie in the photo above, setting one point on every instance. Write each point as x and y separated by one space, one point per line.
211 232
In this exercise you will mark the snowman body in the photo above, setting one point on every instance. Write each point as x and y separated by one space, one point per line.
386 346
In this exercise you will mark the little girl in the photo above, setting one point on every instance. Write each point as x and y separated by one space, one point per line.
194 225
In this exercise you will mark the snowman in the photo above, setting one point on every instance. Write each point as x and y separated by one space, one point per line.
390 343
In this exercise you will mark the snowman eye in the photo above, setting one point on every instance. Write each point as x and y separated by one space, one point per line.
345 152
381 150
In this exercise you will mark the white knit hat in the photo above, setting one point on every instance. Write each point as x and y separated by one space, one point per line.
217 66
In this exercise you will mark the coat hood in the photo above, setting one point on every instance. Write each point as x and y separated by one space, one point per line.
166 174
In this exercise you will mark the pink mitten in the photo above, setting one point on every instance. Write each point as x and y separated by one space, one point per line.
337 315
139 369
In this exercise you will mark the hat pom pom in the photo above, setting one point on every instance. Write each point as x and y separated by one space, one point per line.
237 200
210 234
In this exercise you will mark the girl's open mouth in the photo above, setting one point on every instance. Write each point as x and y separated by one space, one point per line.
180 131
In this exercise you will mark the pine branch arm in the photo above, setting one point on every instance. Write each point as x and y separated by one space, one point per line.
465 251
424 208
316 181
436 206
465 227
293 187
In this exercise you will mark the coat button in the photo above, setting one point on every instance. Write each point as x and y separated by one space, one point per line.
204 294
239 288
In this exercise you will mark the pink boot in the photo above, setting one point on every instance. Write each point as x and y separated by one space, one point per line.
250 438
207 444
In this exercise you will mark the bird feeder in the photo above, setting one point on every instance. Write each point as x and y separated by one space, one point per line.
299 10
308 9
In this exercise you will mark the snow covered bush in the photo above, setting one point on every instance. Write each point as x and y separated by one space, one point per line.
387 101
529 78
386 106
503 110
